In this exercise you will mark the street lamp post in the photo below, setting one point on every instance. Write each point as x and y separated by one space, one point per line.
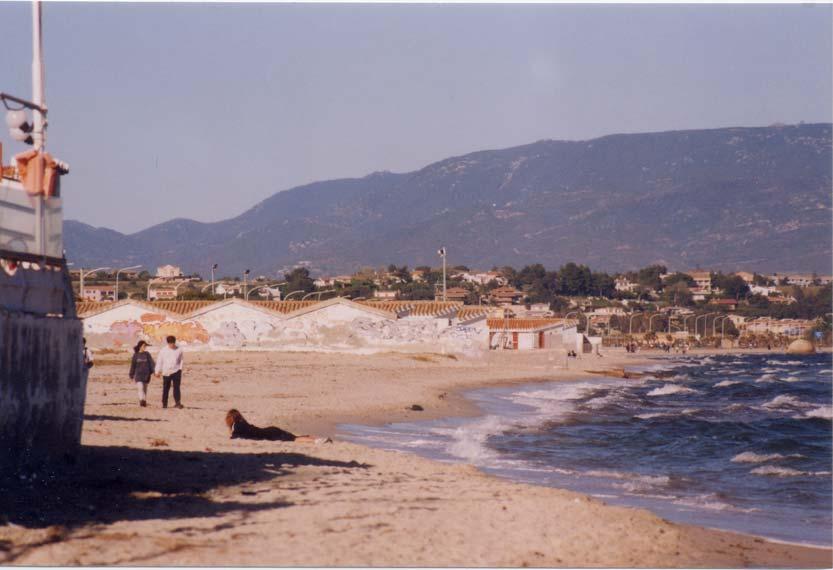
443 253
117 278
82 274
213 290
685 322
293 293
150 282
630 324
651 321
245 279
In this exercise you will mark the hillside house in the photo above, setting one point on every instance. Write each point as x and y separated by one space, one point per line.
625 285
505 295
702 282
98 293
452 294
168 272
529 333
164 293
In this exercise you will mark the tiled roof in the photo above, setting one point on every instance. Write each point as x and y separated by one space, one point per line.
522 324
415 308
82 307
284 306
180 307
467 313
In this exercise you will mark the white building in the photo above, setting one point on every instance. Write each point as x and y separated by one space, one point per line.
625 285
98 293
168 272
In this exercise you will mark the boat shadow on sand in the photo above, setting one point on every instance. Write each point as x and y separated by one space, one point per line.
111 484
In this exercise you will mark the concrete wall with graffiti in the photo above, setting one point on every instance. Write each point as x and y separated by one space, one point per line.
333 325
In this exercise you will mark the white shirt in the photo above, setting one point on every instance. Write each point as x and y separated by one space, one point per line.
169 361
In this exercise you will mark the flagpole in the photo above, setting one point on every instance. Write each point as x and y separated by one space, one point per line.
38 132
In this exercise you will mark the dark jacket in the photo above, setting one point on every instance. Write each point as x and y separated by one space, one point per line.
141 367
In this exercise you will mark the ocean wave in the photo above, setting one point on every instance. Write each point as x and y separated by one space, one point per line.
823 412
710 502
651 480
652 415
727 383
668 389
561 393
784 401
774 471
752 457
469 441
792 379
767 378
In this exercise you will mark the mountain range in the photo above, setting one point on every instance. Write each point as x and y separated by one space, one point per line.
756 199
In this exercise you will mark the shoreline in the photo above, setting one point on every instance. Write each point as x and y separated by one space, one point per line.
620 371
181 492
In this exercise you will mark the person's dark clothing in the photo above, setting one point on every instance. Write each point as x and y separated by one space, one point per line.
245 430
141 367
176 380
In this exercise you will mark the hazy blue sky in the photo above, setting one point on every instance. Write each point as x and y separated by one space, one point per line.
201 111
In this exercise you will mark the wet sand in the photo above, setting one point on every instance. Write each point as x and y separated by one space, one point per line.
157 486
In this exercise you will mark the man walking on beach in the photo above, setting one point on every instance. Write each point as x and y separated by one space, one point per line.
169 366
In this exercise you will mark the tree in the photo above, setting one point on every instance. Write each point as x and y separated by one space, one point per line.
678 277
299 280
574 279
733 286
761 281
677 294
602 284
649 276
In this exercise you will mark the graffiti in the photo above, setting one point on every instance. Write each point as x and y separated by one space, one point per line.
186 333
152 317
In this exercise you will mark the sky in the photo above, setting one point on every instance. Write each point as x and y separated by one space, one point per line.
201 111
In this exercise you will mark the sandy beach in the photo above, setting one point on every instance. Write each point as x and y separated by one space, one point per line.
157 486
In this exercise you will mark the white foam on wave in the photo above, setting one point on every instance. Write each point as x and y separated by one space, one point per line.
668 389
652 415
773 471
823 412
785 401
469 441
767 379
710 502
752 457
650 480
727 383
773 362
792 379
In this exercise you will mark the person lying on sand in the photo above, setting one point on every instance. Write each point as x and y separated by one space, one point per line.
241 429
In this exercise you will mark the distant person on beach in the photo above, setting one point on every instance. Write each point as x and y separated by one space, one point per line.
141 369
241 429
169 366
88 356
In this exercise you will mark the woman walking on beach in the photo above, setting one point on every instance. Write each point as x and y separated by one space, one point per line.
141 369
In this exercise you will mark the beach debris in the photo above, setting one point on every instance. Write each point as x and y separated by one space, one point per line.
156 442
416 408
442 396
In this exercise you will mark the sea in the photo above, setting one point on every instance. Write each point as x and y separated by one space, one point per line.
733 442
